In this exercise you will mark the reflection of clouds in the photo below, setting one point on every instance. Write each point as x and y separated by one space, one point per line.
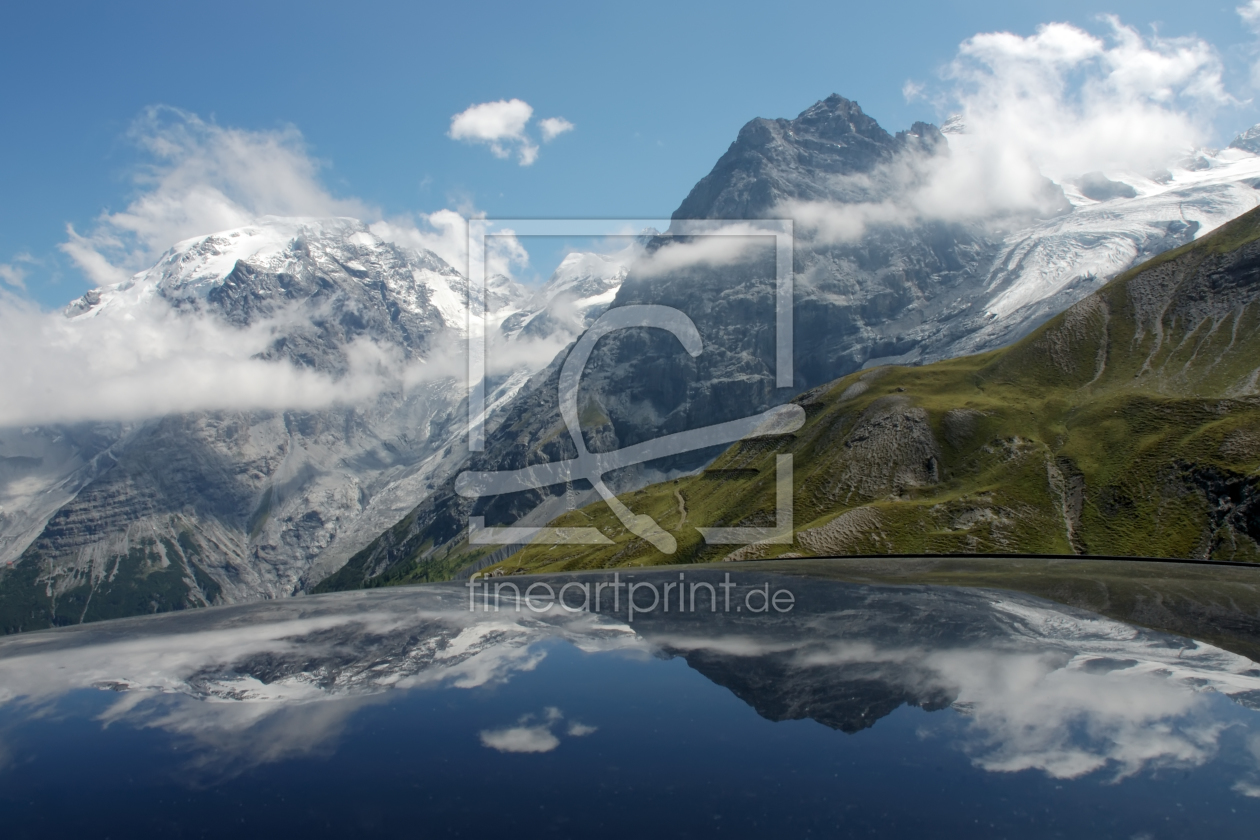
528 737
732 645
1251 786
230 737
1050 689
1123 697
520 739
1034 711
263 683
1247 789
1041 687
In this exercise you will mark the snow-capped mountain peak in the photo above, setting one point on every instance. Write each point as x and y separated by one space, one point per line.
578 292
1248 141
315 258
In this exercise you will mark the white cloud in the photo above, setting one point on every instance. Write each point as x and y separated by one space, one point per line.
731 246
553 127
1250 13
1073 102
492 122
155 360
445 233
501 126
528 154
202 178
1055 104
14 273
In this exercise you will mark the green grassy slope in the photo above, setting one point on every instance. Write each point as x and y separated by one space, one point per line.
1128 425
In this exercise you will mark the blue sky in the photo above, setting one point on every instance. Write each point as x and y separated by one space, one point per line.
656 93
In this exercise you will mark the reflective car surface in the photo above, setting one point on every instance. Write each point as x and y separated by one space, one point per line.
849 706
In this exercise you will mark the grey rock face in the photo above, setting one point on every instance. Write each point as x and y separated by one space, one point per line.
42 468
242 505
1099 187
773 160
1248 141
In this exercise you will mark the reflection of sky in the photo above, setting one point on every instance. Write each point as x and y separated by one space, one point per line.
1054 691
191 684
1069 695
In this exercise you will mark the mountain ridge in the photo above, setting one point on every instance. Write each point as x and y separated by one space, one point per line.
1127 425
894 297
222 506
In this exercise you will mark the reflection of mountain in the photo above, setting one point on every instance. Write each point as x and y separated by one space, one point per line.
849 696
871 632
853 654
1039 685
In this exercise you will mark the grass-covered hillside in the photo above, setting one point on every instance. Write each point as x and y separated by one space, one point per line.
1128 425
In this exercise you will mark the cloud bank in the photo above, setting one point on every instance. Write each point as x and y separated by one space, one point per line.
1074 102
1055 104
150 359
155 360
202 178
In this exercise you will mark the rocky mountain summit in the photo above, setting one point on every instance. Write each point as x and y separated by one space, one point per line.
803 159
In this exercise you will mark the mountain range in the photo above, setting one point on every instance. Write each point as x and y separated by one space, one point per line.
153 514
900 294
106 519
